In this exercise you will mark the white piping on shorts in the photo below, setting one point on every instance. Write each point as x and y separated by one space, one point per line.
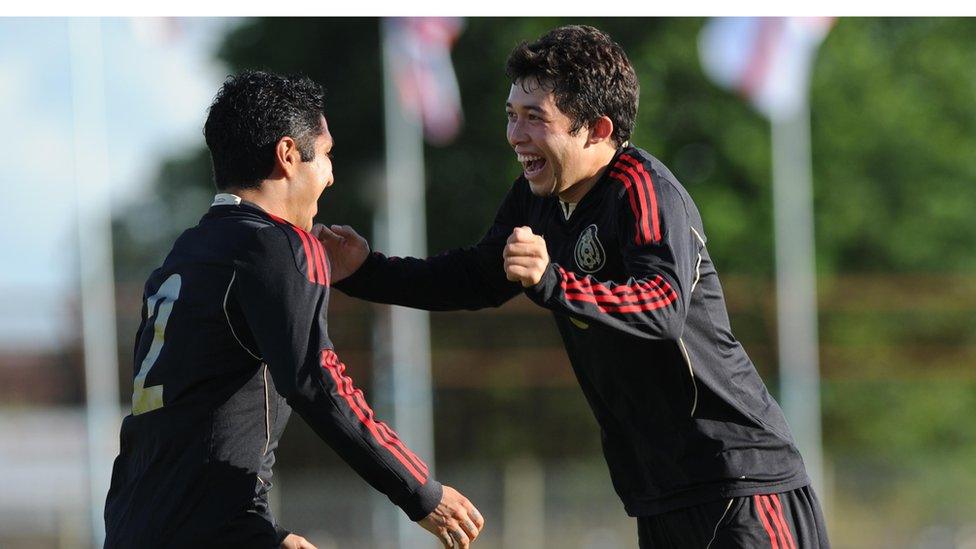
720 519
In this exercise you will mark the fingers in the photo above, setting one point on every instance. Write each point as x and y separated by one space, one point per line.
317 230
533 249
325 234
344 231
475 516
461 539
469 528
523 234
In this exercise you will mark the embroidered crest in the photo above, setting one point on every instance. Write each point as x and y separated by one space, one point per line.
590 256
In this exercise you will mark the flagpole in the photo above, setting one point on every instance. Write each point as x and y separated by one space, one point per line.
94 230
404 334
796 286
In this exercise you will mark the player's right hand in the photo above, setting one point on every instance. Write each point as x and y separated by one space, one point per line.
346 249
294 541
455 521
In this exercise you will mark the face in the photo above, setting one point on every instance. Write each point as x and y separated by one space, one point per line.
552 158
314 176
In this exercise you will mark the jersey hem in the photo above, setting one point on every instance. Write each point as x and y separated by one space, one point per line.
682 499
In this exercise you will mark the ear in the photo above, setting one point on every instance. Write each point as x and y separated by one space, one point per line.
287 155
601 130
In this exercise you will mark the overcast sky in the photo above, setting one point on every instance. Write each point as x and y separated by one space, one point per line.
159 80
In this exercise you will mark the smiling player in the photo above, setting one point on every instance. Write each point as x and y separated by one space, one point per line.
602 234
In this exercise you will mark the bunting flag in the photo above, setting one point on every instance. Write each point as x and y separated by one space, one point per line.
766 59
420 49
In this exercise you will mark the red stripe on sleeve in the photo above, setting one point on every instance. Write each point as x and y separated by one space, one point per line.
391 436
388 434
652 196
765 522
642 296
344 387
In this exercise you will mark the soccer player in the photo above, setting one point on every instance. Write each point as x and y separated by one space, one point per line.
602 234
234 337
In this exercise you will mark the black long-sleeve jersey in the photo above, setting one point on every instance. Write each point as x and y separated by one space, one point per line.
233 337
684 416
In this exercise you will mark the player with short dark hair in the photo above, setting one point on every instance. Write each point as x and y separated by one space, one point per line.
602 234
234 336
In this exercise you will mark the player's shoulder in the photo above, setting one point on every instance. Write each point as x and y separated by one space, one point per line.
278 243
640 175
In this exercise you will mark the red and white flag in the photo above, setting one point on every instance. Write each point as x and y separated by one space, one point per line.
420 49
767 59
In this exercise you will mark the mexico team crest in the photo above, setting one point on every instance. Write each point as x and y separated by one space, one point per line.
590 256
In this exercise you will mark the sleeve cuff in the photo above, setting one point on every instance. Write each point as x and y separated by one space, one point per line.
281 534
542 291
420 503
350 284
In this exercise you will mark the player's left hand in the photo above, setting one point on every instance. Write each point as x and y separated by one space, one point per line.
294 541
526 257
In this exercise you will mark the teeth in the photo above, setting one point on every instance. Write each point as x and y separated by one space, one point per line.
527 157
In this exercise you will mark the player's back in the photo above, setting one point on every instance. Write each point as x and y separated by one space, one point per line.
197 450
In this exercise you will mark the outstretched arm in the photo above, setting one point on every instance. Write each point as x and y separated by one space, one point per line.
284 301
463 278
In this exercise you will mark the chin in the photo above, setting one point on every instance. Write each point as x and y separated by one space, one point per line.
542 188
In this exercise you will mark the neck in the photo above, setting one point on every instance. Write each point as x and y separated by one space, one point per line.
575 192
268 197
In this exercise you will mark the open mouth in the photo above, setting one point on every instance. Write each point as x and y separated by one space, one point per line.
532 164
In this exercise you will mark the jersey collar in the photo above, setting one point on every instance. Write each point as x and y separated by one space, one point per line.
226 199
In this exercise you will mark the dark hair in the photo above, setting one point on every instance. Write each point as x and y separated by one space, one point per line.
588 73
249 116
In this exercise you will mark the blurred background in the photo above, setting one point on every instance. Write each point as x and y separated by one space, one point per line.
106 116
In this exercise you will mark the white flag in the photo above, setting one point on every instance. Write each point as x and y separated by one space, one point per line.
766 59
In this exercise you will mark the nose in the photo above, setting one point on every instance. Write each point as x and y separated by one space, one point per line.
515 133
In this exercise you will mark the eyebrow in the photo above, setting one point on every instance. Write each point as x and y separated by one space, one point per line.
528 107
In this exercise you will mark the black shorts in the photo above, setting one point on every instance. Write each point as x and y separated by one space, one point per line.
789 520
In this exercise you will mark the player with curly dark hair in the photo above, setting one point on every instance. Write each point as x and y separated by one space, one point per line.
602 234
234 337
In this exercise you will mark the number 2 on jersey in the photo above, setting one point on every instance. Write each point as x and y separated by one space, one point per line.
146 399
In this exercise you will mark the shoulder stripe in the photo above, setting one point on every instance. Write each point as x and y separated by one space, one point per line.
620 176
314 255
644 230
308 254
320 260
645 189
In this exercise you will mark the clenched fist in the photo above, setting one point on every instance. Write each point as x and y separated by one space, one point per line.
526 257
